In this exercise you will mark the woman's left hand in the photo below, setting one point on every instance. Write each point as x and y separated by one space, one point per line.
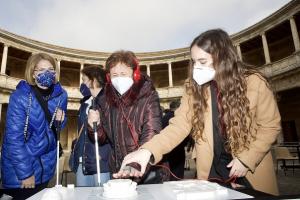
237 168
60 115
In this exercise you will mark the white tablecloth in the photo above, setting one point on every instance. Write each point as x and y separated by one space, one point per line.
145 192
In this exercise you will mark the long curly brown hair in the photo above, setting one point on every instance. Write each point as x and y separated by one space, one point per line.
233 104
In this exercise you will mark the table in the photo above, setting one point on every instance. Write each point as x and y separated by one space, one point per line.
145 192
154 191
292 145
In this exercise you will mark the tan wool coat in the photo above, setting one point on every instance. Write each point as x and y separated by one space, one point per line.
266 126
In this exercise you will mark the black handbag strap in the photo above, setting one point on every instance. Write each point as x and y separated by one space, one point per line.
44 106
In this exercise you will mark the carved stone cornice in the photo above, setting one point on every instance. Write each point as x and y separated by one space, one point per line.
281 15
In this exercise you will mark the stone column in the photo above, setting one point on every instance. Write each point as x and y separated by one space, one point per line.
148 69
80 75
295 33
266 48
170 74
239 52
4 59
58 69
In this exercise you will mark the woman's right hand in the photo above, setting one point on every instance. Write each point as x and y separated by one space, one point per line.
141 156
29 182
93 116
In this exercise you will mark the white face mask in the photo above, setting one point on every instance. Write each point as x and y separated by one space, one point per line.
122 84
203 74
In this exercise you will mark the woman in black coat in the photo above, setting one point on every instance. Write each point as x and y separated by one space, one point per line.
130 112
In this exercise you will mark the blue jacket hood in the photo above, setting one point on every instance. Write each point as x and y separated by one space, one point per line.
26 87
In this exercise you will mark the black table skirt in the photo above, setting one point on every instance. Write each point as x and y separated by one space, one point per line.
264 196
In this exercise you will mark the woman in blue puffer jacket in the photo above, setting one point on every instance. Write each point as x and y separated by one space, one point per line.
29 144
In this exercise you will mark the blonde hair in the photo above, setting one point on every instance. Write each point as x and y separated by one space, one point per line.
33 61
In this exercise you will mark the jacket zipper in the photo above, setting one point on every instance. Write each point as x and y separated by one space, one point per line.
48 146
42 169
51 97
83 153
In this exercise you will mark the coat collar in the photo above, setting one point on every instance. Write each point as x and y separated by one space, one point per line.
23 85
138 90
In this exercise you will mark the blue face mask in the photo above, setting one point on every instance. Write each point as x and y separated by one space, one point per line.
46 79
84 90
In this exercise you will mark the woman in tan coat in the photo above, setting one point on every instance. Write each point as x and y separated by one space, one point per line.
232 113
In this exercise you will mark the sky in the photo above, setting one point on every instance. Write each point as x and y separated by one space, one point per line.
136 25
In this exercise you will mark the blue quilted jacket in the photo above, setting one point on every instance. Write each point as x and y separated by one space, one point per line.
37 154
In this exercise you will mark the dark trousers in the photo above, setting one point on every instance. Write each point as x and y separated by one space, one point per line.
20 194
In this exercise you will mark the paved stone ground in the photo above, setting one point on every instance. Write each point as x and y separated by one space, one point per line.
289 184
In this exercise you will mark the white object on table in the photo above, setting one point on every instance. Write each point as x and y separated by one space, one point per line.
120 188
145 192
